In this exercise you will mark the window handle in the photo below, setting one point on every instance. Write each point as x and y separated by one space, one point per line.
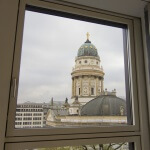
14 87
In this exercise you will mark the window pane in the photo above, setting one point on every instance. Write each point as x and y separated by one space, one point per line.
72 74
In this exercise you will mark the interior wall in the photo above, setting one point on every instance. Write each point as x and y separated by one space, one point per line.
8 19
128 7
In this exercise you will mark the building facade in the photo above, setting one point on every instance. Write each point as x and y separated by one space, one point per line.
91 105
31 115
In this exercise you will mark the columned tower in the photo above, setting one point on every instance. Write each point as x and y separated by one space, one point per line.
87 75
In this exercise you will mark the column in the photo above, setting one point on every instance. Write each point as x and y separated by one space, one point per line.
97 93
89 88
102 85
81 86
72 87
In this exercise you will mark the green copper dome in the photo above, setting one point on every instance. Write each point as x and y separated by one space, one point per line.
87 49
105 105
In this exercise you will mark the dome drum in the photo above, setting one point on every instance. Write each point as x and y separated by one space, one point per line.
87 62
87 57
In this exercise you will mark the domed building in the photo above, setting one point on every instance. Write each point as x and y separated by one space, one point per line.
91 105
87 75
107 104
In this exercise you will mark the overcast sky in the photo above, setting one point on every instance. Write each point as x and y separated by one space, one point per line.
50 45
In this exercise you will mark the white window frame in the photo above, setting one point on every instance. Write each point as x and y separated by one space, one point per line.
17 56
140 126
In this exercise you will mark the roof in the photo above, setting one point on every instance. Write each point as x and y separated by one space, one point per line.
105 105
87 49
61 112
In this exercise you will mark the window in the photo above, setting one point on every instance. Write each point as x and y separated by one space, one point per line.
87 80
79 91
92 91
36 71
111 144
36 118
27 118
129 122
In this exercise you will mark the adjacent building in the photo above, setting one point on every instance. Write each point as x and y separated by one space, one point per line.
31 115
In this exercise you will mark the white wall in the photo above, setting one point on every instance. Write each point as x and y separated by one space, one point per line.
128 7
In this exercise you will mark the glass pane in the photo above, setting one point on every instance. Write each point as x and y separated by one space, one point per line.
110 146
72 74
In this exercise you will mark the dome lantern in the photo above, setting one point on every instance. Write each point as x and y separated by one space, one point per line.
87 35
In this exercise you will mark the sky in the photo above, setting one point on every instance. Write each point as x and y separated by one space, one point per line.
50 45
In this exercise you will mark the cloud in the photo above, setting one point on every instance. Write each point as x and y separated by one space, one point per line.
49 48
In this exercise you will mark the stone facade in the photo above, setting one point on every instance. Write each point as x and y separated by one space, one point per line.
31 115
77 121
90 104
